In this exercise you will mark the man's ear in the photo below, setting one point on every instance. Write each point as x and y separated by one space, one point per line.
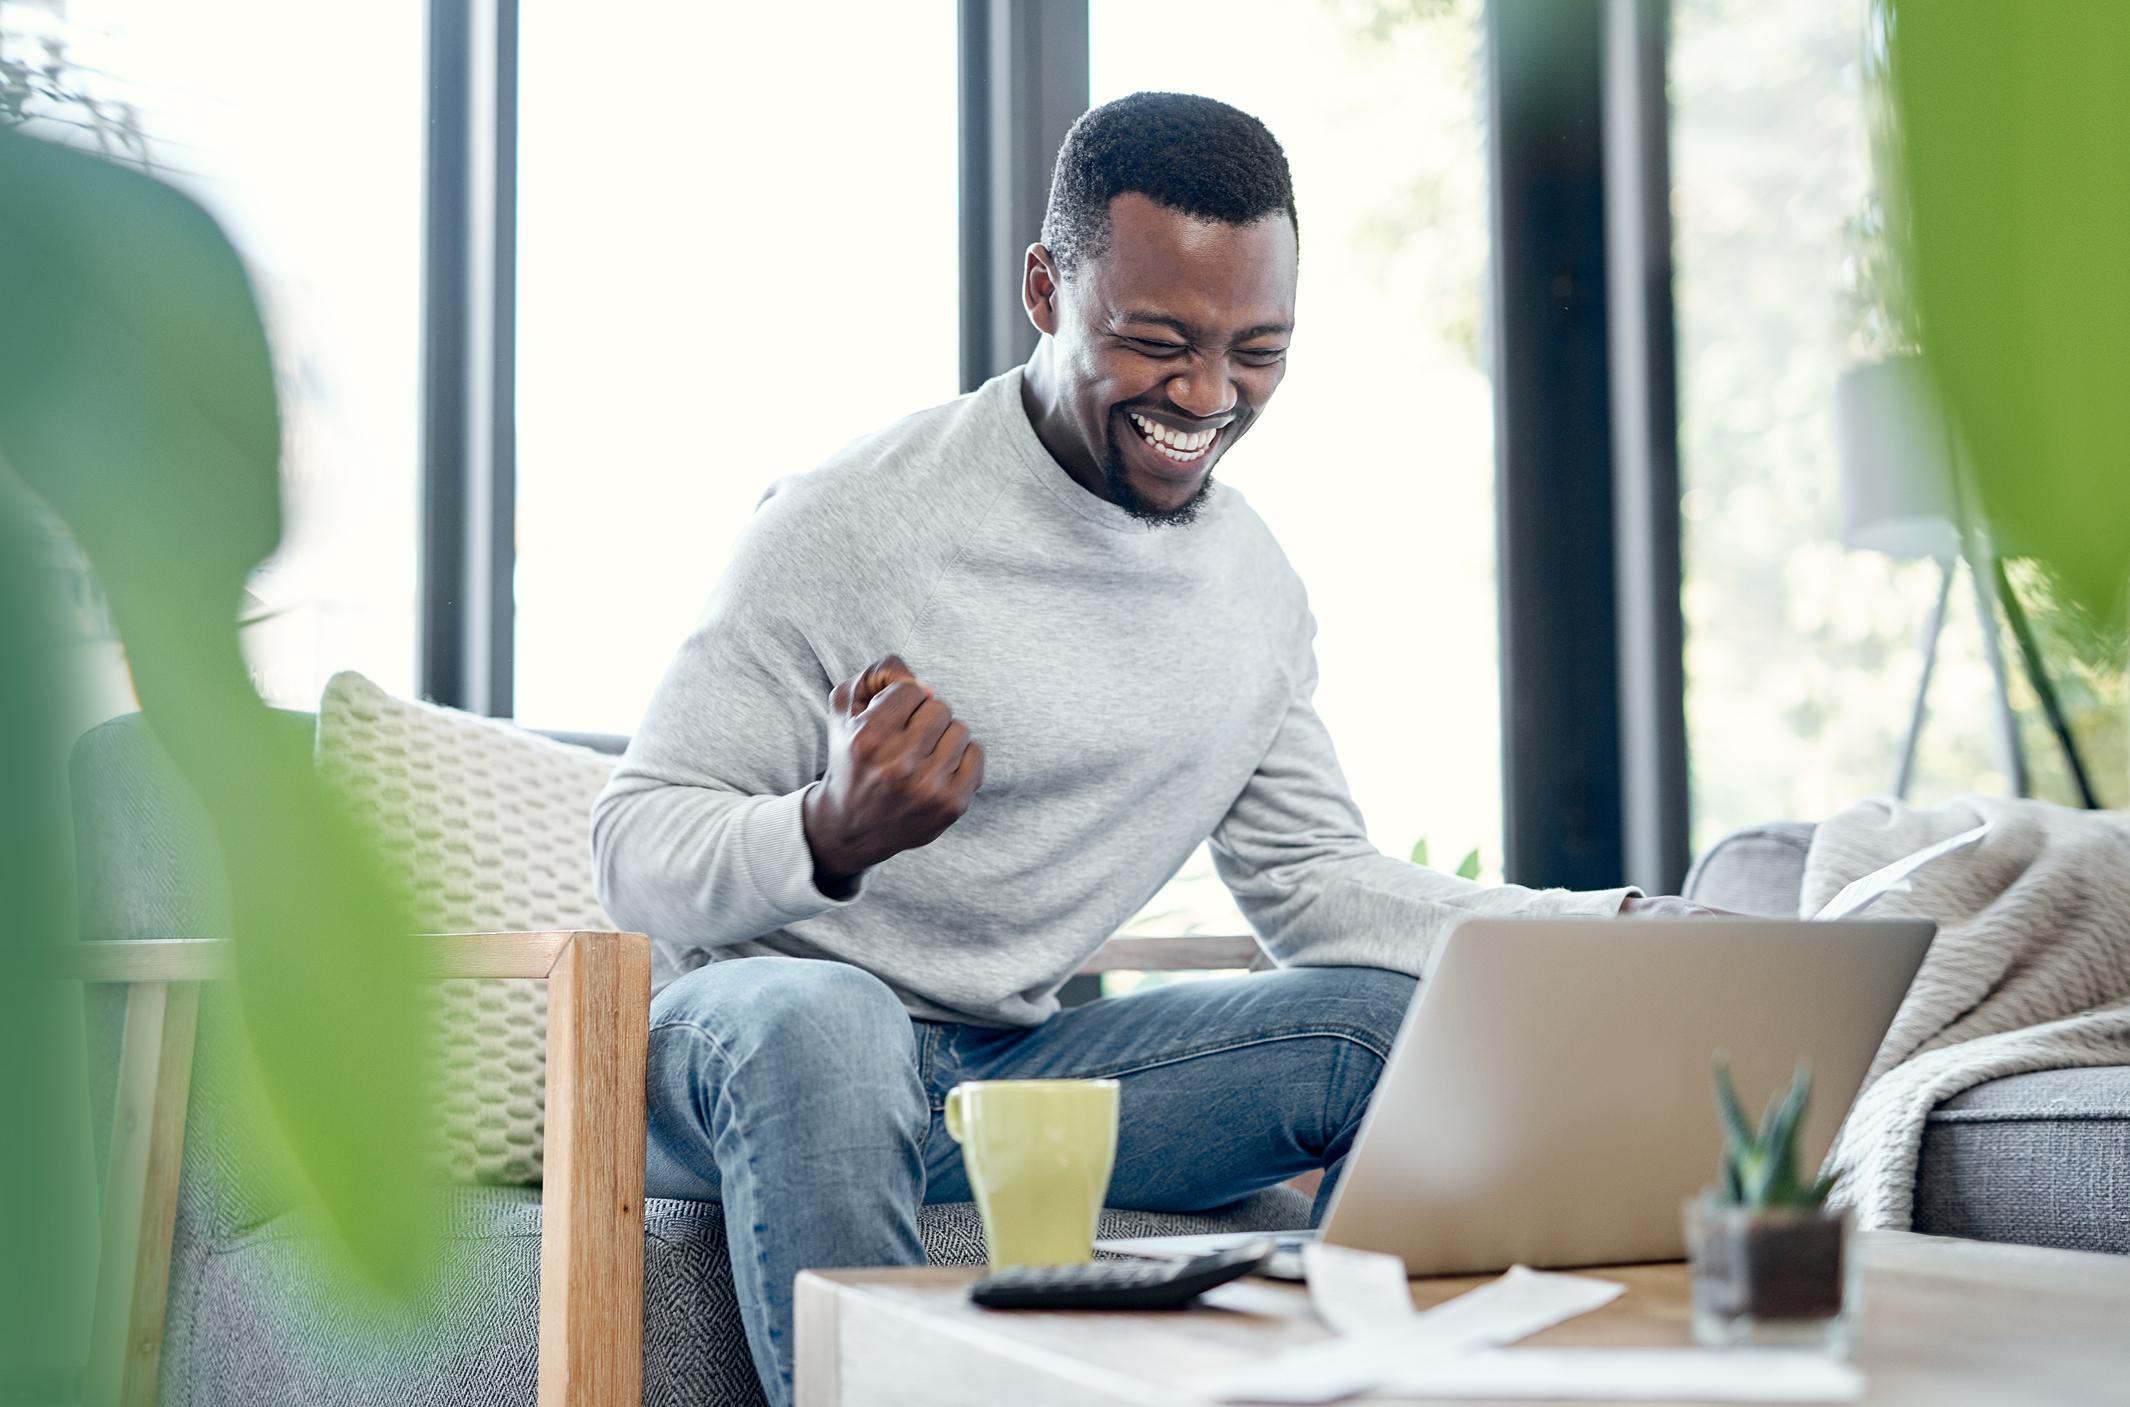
1039 290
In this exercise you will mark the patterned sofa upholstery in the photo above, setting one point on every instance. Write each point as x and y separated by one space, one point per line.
257 1316
2039 1160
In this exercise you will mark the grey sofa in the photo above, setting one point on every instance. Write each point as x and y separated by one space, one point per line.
257 1316
2039 1160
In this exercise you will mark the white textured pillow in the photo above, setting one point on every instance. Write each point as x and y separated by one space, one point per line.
487 828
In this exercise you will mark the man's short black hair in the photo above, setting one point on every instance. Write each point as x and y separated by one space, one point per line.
1193 154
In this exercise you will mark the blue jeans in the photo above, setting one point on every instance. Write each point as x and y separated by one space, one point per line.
804 1098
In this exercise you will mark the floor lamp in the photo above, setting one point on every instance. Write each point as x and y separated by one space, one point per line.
1898 496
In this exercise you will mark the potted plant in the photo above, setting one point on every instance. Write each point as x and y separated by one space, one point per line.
1771 1262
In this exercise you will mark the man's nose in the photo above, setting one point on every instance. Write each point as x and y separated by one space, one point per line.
1205 390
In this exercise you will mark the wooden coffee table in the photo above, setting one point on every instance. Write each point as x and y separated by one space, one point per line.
1945 1323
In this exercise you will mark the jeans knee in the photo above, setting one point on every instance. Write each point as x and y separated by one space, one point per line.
794 1022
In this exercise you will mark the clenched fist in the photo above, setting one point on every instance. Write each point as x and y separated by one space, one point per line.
901 769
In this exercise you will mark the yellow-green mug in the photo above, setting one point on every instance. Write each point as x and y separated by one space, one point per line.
1038 1154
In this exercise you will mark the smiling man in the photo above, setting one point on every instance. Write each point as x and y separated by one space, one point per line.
1174 333
967 696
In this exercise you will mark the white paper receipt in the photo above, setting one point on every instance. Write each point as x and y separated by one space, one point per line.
1516 1306
1355 1290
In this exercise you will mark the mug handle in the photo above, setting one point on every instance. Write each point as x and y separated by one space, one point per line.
955 1096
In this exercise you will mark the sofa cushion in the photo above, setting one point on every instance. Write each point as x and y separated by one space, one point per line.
2037 1160
1754 870
485 828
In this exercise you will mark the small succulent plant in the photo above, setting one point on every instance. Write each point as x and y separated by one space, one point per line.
1760 1169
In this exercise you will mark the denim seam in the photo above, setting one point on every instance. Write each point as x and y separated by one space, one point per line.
1335 1079
756 1275
1222 1048
1338 1077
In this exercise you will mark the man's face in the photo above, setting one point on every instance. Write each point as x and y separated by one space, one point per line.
1166 349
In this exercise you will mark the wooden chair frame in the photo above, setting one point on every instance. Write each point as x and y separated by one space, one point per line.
591 1251
591 1247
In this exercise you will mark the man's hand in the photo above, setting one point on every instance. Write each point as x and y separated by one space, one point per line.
901 769
1665 906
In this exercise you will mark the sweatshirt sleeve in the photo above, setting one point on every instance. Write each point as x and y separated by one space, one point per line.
1295 854
698 839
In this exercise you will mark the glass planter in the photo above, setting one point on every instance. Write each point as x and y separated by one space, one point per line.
1773 1278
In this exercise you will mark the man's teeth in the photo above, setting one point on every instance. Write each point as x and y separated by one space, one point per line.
1174 443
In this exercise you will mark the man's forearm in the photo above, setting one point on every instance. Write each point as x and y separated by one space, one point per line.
1367 909
703 867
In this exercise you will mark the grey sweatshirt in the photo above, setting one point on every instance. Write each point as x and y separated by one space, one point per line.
1137 690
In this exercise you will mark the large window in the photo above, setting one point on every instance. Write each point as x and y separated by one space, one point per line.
737 252
1375 464
299 128
1802 658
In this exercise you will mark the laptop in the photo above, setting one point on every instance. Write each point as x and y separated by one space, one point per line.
1548 1103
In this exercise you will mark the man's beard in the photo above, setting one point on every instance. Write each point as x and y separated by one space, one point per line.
1126 497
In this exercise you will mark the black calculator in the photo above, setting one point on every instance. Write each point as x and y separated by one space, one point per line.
1117 1284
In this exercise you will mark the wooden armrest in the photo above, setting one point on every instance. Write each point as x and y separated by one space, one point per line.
503 954
533 954
1194 952
143 960
212 959
591 1254
591 1234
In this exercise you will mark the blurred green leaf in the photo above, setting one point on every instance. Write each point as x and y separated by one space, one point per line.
1779 1123
48 1212
137 399
2014 137
1736 1129
1760 1169
1468 867
1419 855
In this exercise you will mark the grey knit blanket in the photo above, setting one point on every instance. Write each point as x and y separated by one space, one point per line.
2030 969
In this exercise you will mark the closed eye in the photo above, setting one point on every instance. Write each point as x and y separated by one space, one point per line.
1154 348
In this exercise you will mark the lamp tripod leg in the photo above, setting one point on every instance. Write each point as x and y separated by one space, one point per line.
2037 674
1982 567
1933 626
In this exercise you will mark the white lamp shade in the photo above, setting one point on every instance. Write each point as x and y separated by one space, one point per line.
1896 461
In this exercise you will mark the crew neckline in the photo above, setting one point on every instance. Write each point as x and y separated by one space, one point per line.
1005 389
